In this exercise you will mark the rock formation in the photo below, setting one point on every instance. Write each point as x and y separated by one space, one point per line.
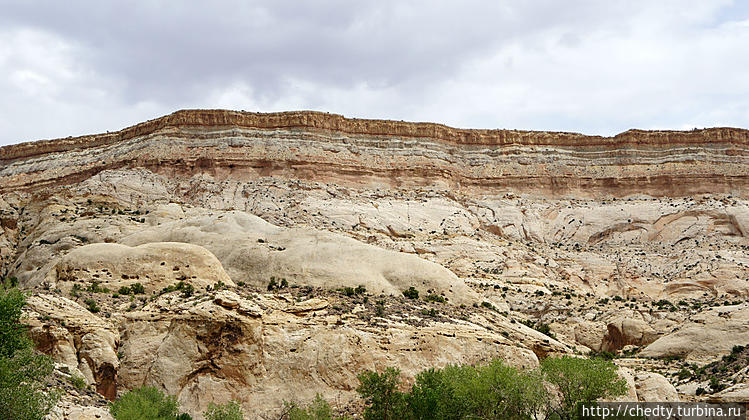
273 250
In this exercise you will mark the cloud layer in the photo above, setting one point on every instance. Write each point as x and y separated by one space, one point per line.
75 67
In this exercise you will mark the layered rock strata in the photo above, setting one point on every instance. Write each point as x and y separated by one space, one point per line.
331 148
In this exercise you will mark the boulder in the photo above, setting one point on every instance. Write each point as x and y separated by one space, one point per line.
653 387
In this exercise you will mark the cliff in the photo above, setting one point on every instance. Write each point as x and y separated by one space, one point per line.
329 147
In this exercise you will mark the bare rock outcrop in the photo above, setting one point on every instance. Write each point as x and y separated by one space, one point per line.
706 336
333 148
213 350
253 250
653 387
154 265
76 338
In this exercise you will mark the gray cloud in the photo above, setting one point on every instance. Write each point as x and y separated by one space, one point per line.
75 67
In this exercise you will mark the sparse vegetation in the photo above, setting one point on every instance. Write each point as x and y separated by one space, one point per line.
92 305
318 409
78 381
435 298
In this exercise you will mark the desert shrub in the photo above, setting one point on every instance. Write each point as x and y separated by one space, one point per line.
411 293
228 411
145 403
92 306
137 289
186 288
318 409
488 305
435 298
78 381
581 381
95 288
430 312
24 394
543 329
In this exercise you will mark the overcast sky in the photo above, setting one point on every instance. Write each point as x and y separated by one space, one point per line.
597 67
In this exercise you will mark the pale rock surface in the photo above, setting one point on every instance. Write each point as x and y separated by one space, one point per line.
253 250
66 412
738 393
154 265
706 336
625 330
207 350
653 387
78 339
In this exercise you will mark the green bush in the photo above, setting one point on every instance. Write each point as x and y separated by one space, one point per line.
228 411
187 289
493 391
435 298
319 409
78 381
137 289
411 293
144 403
24 393
92 305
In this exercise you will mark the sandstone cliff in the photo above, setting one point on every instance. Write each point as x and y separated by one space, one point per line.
521 245
328 147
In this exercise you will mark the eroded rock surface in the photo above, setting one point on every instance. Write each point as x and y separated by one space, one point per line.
522 245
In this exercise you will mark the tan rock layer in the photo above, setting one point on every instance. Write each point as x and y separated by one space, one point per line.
339 123
331 148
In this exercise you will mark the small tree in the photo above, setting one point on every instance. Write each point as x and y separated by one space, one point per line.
12 333
24 394
581 381
228 411
380 393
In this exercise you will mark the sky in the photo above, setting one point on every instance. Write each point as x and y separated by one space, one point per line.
598 67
